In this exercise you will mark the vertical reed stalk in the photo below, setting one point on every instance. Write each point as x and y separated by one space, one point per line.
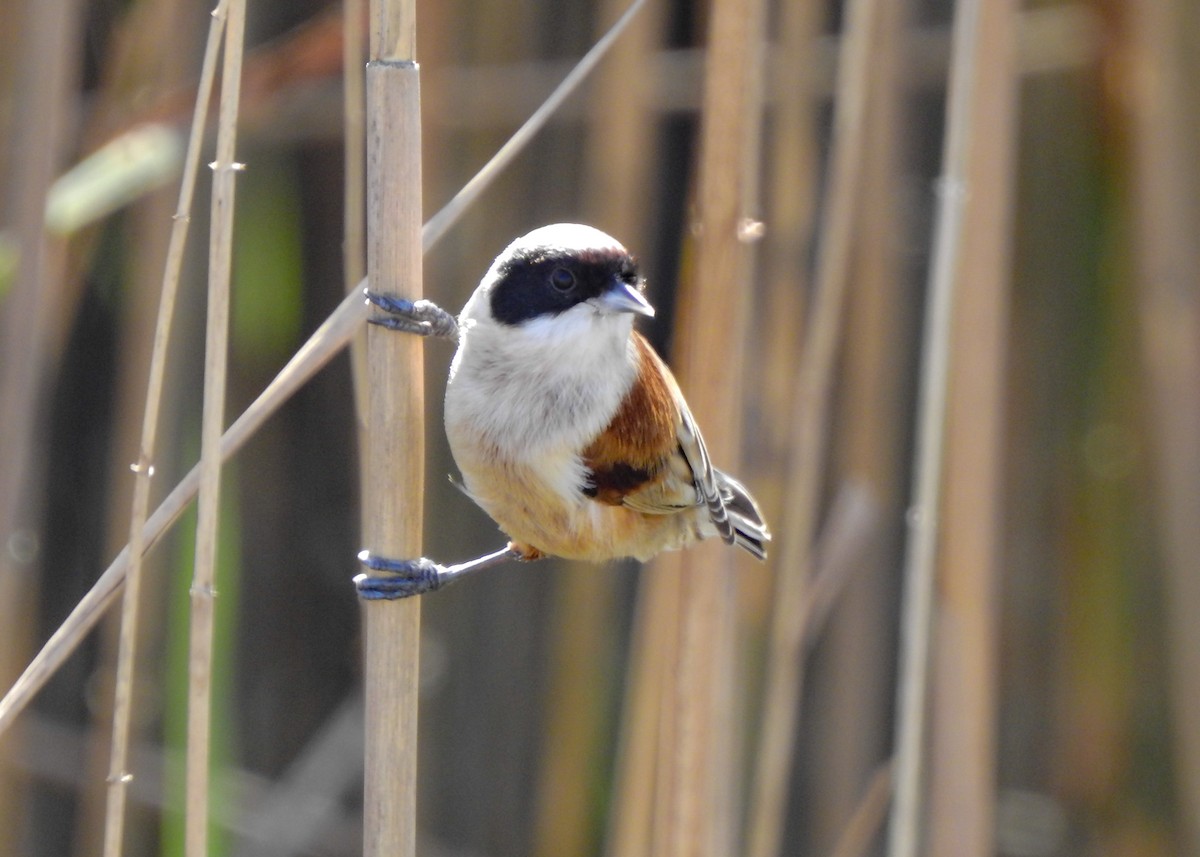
216 358
354 25
964 683
904 836
43 102
354 138
810 416
699 805
395 445
119 775
1165 207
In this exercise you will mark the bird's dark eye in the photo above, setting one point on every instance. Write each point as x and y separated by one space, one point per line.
562 279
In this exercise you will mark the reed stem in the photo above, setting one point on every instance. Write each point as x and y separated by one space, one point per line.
394 477
119 775
216 358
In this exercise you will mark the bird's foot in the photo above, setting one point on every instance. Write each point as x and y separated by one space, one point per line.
422 318
401 578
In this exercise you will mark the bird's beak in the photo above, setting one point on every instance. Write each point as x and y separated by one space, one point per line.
622 297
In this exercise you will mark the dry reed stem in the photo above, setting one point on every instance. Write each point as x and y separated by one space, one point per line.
698 811
964 682
143 469
810 416
393 427
322 346
216 360
904 835
354 138
1166 210
354 239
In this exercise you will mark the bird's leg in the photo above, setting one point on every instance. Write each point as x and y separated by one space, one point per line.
401 578
423 318
405 577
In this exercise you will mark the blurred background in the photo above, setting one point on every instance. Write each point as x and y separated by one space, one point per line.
1072 473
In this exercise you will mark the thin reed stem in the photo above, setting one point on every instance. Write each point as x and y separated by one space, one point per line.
216 358
962 743
454 209
119 776
811 417
904 835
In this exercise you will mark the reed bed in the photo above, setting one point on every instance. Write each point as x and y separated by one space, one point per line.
802 181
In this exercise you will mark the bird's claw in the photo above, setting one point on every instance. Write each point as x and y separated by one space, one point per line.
400 578
422 317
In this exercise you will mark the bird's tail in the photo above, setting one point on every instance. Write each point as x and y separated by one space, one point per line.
749 529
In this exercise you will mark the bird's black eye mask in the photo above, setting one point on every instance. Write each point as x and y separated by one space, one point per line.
545 282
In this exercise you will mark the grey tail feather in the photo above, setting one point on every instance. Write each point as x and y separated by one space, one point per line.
750 530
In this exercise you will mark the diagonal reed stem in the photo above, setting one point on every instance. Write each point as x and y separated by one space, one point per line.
143 469
216 358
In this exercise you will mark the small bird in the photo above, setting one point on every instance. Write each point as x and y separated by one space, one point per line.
567 427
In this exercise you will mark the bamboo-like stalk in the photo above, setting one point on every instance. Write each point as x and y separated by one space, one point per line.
964 684
216 359
904 834
119 775
699 800
394 476
322 346
810 416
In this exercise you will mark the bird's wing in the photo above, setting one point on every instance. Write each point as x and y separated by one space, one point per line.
674 473
652 459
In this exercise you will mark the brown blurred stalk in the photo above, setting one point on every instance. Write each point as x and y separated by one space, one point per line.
393 488
696 807
810 413
847 731
1166 219
964 681
43 105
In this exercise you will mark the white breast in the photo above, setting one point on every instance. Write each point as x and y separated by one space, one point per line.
536 395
